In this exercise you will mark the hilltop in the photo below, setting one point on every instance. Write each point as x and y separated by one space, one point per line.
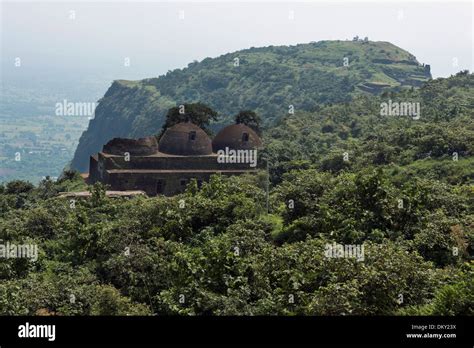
267 80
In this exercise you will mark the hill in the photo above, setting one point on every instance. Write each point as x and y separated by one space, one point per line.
401 198
445 127
267 80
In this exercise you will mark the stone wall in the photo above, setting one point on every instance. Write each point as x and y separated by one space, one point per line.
157 183
171 163
135 147
93 170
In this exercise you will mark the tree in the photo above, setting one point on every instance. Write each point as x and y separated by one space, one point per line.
249 118
19 186
198 113
69 175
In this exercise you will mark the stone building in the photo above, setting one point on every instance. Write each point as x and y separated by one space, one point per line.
184 152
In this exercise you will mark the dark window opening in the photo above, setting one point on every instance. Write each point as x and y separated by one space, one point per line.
245 137
160 187
192 135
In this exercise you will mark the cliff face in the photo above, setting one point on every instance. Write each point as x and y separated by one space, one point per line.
267 80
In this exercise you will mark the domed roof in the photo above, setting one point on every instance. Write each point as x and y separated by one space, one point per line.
185 139
236 137
136 147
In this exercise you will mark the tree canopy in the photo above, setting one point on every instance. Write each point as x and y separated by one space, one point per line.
198 113
249 118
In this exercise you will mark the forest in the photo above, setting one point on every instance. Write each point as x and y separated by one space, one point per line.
339 174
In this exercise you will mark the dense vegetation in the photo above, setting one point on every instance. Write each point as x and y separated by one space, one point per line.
424 147
341 173
267 80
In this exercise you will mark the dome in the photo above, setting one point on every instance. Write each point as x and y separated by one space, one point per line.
236 137
136 147
185 139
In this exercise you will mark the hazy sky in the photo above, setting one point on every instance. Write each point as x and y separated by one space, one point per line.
156 37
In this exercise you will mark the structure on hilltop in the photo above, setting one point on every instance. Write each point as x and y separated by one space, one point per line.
184 152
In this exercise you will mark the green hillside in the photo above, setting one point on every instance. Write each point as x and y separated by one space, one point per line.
267 80
401 194
215 250
445 127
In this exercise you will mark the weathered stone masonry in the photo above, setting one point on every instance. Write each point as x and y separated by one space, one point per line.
184 152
